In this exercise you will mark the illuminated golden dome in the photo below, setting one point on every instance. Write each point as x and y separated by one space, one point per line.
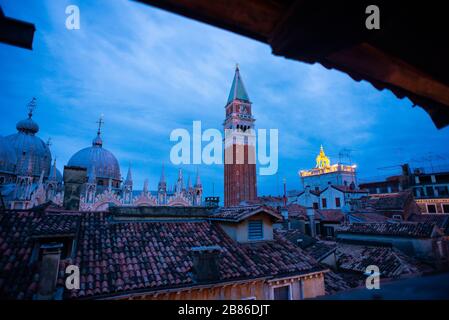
322 161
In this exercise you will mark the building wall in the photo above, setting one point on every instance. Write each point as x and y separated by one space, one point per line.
441 205
304 287
322 181
239 231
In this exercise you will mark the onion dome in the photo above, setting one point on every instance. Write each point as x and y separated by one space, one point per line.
8 158
32 153
98 161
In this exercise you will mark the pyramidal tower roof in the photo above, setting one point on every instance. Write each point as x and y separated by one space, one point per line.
238 90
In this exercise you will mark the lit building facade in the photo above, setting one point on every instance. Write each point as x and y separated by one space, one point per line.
325 174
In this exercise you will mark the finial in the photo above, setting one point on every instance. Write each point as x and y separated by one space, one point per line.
31 106
100 123
49 142
237 67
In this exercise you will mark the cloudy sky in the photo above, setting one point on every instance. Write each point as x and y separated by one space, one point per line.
149 72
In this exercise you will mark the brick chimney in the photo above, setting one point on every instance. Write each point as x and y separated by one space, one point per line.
74 178
51 255
206 262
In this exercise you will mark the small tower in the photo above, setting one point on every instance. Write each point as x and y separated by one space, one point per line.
162 188
240 156
180 182
128 188
198 190
24 183
91 187
52 184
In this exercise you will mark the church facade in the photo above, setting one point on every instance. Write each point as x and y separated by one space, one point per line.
29 177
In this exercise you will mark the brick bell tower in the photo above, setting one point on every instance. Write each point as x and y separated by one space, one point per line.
240 153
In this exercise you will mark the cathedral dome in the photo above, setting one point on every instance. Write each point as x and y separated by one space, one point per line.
8 158
100 163
32 154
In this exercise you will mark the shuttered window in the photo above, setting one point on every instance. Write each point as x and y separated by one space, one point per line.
255 229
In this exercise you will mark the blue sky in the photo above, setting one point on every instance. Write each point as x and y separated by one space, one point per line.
149 72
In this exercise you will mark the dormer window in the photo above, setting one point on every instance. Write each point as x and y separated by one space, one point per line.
255 230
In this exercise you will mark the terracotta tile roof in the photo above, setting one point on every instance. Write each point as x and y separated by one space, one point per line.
334 283
391 262
297 237
321 249
314 192
389 201
402 229
122 257
330 215
296 211
240 213
367 217
316 249
348 189
52 225
441 220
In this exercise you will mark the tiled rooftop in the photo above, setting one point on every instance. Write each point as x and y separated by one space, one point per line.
239 213
402 229
441 220
122 257
391 262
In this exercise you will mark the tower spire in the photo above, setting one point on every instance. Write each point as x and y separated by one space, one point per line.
238 90
162 179
198 180
129 177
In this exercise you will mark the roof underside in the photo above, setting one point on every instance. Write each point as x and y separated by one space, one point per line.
408 55
15 32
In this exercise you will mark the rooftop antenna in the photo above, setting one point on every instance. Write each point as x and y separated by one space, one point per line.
345 153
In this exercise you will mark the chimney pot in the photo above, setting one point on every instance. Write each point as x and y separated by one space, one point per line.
48 277
206 263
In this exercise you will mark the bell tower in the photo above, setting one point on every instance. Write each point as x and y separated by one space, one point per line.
240 153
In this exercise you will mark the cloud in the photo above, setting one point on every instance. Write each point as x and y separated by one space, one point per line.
151 72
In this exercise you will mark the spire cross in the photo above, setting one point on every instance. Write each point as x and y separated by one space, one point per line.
49 142
31 106
100 123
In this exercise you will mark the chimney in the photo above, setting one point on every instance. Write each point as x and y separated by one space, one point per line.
49 271
212 202
74 178
311 215
206 262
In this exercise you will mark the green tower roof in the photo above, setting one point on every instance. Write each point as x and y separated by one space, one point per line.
238 89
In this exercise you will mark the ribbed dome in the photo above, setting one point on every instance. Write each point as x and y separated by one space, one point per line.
8 158
97 159
31 152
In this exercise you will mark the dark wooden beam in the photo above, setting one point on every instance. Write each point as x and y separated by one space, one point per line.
252 18
16 32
